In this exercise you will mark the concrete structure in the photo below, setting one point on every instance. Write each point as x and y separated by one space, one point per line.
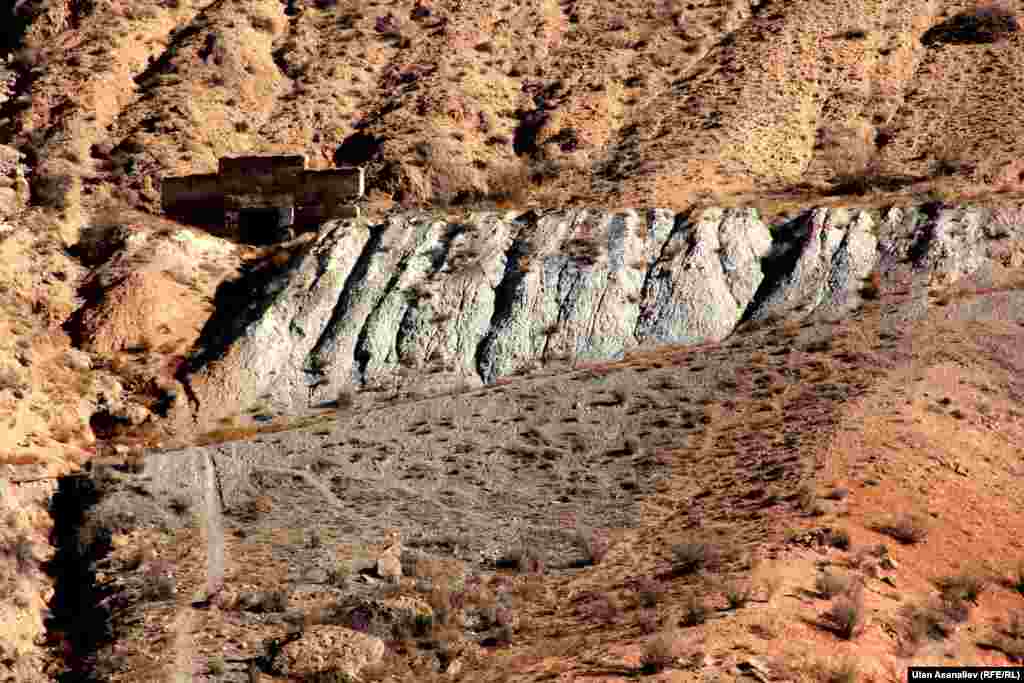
264 199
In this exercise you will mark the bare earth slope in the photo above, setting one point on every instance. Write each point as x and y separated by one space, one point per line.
791 451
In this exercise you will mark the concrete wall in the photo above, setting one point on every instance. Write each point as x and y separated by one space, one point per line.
342 183
261 166
265 182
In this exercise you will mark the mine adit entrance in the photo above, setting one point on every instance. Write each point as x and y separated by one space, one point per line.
265 225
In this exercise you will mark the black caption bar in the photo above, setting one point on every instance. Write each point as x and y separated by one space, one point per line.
964 673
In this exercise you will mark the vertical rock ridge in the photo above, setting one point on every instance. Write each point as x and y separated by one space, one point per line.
497 292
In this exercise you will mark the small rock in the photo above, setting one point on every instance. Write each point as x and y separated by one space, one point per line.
888 563
78 360
754 668
389 563
454 667
322 648
888 580
134 413
9 201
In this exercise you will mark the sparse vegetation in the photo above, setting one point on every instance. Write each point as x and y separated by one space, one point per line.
966 586
907 529
649 592
694 611
840 538
21 551
737 593
853 159
1016 579
159 583
180 504
922 624
846 615
333 675
692 556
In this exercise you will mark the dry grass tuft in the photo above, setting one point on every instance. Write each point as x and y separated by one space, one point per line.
691 557
907 529
966 586
846 615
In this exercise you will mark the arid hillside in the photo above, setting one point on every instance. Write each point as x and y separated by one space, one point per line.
673 341
577 102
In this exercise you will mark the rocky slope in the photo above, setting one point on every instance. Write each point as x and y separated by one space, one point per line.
496 294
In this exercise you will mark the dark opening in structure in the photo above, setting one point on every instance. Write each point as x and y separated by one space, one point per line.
264 226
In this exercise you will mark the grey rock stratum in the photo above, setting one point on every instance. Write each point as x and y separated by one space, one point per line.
502 292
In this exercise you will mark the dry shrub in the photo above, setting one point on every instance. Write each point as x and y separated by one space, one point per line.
691 557
846 615
907 529
921 624
966 586
1015 581
509 184
20 549
449 176
264 23
737 593
840 539
694 611
649 592
158 582
851 156
54 191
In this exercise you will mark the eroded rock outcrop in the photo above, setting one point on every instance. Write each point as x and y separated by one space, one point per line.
499 292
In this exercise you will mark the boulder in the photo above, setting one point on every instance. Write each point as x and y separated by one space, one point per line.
389 564
327 649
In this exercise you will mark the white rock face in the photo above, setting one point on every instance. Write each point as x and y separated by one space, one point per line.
834 253
497 292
